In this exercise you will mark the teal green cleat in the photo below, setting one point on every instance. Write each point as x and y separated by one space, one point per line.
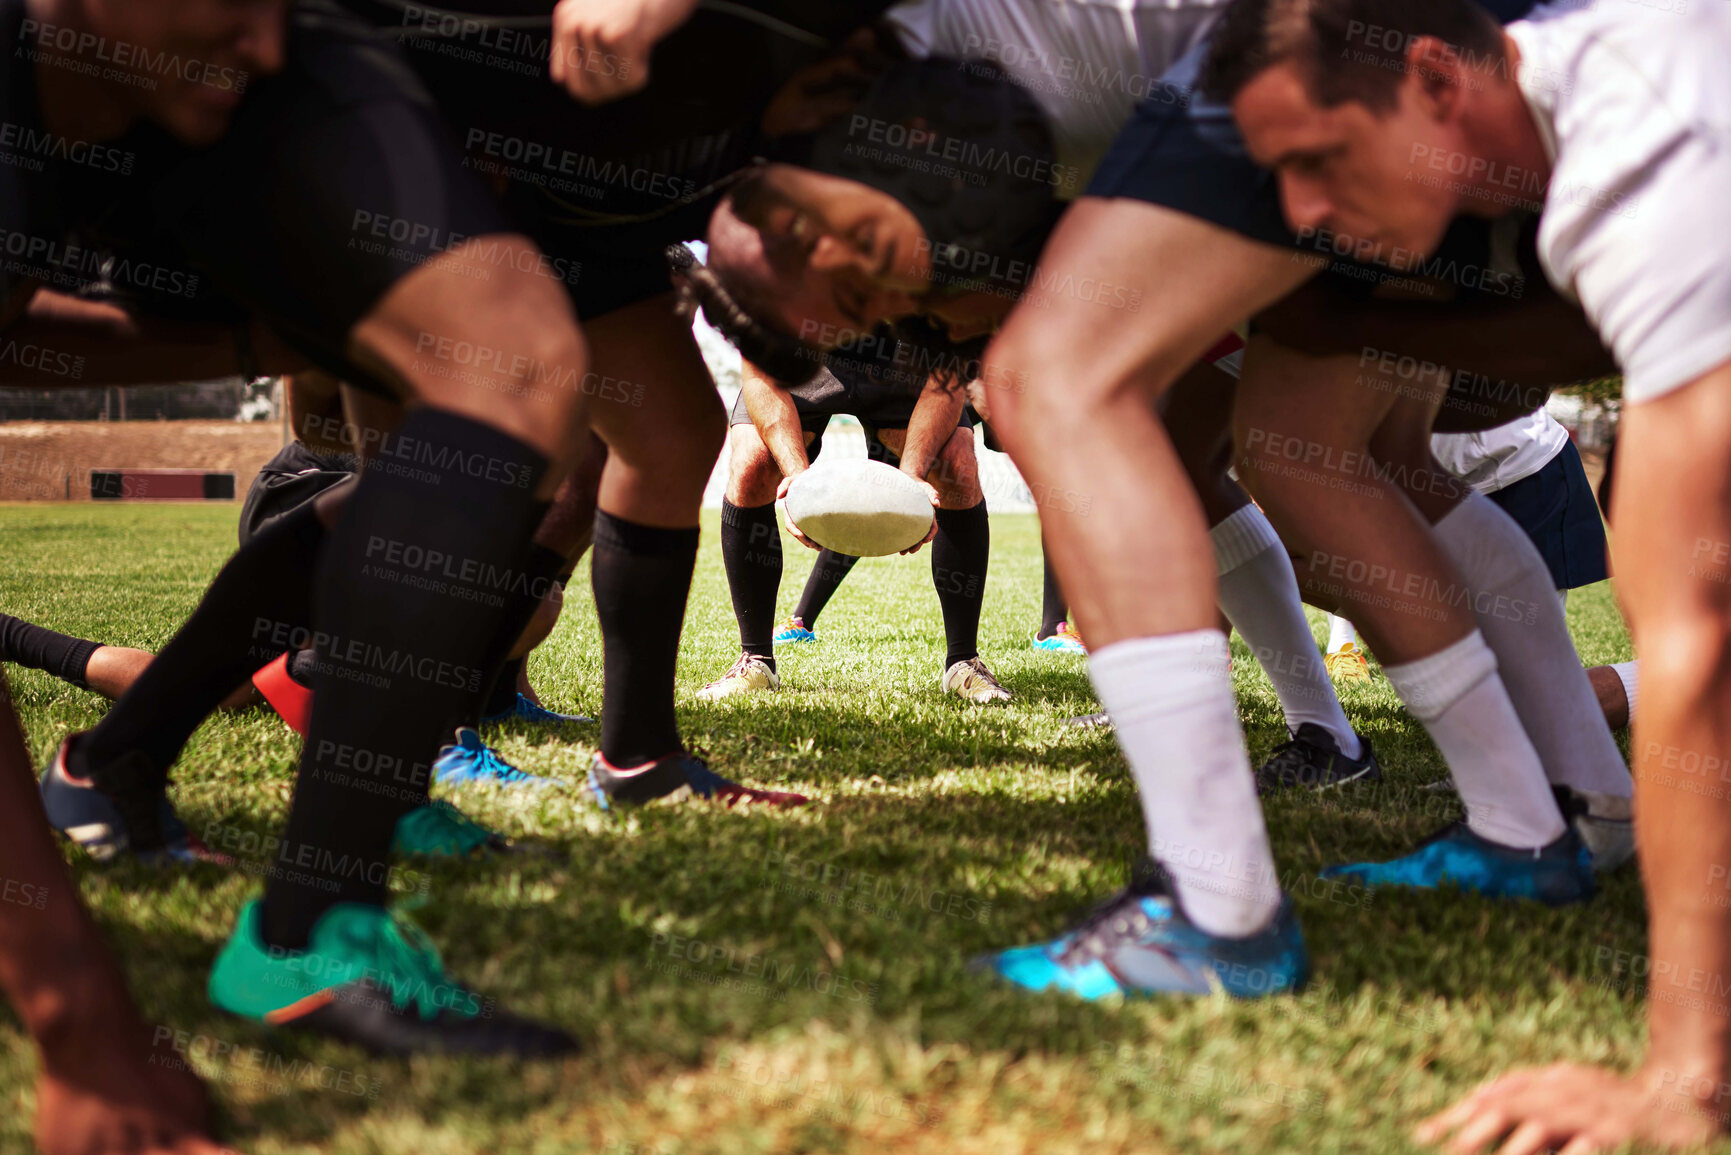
440 830
373 979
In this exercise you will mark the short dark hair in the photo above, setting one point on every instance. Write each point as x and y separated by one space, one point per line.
1347 49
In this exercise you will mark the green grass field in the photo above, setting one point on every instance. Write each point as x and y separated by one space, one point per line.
845 1020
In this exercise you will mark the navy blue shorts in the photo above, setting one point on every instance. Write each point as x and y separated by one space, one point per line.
1557 508
1183 152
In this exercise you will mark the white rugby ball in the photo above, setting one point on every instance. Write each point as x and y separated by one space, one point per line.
859 507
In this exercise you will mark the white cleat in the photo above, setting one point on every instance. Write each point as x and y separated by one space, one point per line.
973 681
748 675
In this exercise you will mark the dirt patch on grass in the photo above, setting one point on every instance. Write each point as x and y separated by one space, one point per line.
52 460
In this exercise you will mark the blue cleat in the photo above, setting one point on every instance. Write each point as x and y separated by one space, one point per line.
469 760
525 709
793 632
1140 942
99 825
1557 875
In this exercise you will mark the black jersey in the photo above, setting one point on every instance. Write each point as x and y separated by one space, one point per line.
335 179
606 189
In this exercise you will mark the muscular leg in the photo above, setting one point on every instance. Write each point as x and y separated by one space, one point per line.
1304 426
961 548
1258 591
525 444
1513 598
660 455
751 540
560 542
1075 388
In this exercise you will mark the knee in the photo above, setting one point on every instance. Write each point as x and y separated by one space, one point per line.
1686 647
956 473
752 474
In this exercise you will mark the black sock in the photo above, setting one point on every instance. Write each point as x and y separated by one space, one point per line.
504 692
826 577
642 577
959 554
408 605
540 573
258 606
1053 611
38 648
751 554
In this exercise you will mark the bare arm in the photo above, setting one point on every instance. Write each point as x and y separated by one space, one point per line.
65 341
934 419
99 1089
777 419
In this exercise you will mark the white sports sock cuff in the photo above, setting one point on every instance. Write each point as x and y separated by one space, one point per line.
1241 537
1629 674
1431 685
1156 676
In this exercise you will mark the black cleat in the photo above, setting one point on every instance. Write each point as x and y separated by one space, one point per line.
1313 761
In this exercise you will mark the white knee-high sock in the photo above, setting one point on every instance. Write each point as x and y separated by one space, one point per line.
1340 632
1171 700
1457 695
1259 594
1516 604
1630 673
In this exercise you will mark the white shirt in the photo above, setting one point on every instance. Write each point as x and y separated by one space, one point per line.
1088 62
1497 458
1633 99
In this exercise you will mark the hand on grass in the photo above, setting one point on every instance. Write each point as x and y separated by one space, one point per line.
1575 1110
107 1091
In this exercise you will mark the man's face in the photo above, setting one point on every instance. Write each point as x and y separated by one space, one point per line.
1349 170
191 61
828 256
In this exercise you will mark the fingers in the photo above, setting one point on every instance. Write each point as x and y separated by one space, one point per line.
600 51
1490 1123
1444 1123
1529 1138
924 541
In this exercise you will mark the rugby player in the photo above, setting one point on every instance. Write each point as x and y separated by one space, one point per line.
466 476
801 256
1623 115
1131 365
913 421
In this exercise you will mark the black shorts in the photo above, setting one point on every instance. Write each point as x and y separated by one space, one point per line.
336 179
877 392
1557 509
1184 152
814 415
288 481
